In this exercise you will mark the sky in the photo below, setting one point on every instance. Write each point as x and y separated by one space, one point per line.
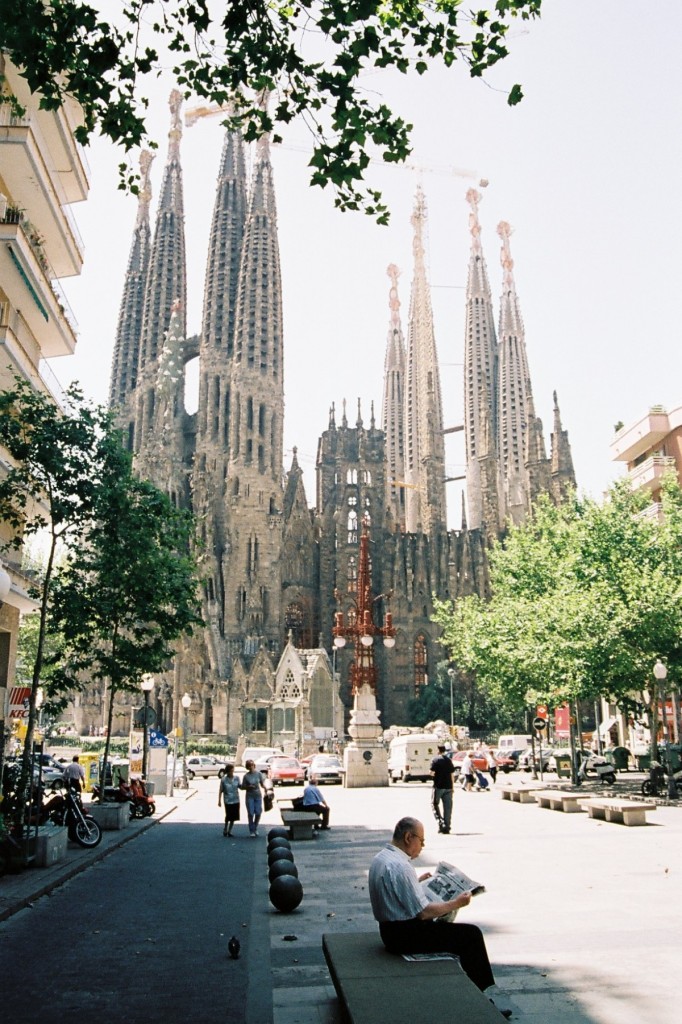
586 170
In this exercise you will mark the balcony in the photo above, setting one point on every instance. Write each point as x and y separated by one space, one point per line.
648 474
35 187
631 442
27 282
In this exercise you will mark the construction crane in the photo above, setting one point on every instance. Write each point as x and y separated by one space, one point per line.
194 114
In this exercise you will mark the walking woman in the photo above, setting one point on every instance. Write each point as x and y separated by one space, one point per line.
253 782
229 792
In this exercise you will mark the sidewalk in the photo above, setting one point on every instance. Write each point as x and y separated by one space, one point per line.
21 890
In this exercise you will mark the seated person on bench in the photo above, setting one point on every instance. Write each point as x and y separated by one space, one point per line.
315 802
408 922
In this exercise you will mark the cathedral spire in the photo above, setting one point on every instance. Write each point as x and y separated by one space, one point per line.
563 473
392 412
423 417
513 393
127 344
480 365
166 279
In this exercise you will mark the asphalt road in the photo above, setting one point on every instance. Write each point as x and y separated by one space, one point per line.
142 936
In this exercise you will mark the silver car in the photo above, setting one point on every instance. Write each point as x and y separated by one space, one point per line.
325 768
205 766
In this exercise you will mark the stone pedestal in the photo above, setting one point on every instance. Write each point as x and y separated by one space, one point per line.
110 817
365 759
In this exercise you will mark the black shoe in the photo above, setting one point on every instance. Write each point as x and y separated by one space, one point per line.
506 1013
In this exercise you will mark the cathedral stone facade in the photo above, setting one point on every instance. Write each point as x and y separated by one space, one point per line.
275 570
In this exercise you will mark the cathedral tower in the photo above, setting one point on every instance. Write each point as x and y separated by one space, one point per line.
480 367
127 343
423 420
393 408
166 281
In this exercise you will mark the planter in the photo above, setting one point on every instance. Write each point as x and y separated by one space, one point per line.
110 817
51 845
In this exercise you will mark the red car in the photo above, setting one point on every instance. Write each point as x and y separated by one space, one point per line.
285 769
479 761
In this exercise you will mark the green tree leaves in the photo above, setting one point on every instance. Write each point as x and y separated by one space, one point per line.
585 598
309 54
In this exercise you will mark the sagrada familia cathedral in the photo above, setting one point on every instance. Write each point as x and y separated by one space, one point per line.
274 570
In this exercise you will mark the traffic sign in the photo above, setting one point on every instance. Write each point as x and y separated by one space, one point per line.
539 724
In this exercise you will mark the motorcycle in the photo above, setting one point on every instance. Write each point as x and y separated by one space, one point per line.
134 793
659 782
67 809
599 766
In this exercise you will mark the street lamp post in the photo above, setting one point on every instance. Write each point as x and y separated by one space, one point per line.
339 643
147 685
365 759
451 676
661 674
185 700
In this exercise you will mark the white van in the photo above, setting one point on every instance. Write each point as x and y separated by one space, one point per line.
258 753
410 756
516 742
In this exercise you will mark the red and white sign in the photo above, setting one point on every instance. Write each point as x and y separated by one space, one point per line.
19 697
562 721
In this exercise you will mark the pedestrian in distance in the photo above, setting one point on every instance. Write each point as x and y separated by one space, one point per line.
254 784
492 764
74 774
467 772
313 801
442 770
229 794
409 920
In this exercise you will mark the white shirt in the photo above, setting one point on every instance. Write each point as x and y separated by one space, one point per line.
394 891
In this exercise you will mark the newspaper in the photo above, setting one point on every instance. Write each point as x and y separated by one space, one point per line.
448 882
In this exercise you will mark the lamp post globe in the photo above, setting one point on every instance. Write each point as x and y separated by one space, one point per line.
186 701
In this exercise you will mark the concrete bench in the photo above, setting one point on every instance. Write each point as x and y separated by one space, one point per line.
520 794
110 817
556 800
622 812
300 823
377 987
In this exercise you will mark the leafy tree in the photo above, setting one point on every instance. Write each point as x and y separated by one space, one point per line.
128 590
50 487
471 706
309 54
585 598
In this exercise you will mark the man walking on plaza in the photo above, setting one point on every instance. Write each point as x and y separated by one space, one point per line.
442 770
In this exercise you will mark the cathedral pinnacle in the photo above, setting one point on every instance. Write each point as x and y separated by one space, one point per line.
145 193
473 199
175 133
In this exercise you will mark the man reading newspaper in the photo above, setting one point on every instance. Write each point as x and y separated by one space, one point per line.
411 920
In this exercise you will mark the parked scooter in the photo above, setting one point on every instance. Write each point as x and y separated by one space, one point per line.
596 765
659 782
67 809
143 805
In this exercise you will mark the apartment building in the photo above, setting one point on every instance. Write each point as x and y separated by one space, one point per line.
42 173
650 448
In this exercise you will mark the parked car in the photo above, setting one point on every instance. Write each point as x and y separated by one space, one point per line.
325 768
508 760
457 756
285 769
204 765
527 762
259 755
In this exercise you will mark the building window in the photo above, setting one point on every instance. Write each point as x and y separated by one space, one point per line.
255 720
352 576
352 527
283 719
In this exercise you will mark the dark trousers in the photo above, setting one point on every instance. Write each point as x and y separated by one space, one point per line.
464 940
318 809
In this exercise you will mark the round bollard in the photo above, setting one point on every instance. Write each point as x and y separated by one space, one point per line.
279 830
279 853
286 892
279 842
282 867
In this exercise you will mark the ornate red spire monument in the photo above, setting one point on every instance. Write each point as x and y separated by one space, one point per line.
365 758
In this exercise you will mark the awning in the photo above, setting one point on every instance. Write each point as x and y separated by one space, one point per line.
606 726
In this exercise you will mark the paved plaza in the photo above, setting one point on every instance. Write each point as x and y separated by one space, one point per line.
582 918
